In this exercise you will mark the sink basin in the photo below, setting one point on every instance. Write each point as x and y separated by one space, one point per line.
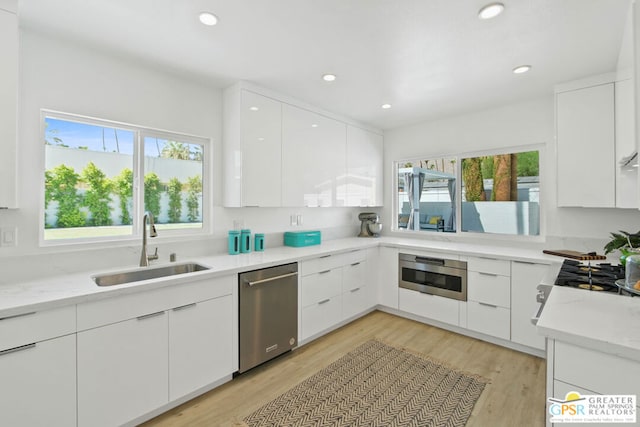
111 279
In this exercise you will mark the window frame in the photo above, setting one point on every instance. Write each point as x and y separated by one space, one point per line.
140 132
459 233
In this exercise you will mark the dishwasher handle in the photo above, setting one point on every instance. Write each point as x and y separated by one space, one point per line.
271 279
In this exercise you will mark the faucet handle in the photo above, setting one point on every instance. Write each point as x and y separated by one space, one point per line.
154 256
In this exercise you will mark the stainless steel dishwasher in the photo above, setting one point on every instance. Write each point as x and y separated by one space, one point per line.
268 314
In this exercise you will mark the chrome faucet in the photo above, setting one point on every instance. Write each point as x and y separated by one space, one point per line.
144 258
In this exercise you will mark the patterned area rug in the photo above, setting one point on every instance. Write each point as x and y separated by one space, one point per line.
376 385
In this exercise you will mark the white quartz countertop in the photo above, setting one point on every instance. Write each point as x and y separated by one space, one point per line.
606 322
17 297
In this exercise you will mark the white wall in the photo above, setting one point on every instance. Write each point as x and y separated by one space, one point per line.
524 123
63 76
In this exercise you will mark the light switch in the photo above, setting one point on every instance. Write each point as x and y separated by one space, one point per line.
8 236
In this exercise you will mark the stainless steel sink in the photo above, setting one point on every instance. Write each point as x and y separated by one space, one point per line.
111 279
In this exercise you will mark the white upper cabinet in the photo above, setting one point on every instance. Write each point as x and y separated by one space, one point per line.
626 176
279 152
314 159
585 129
364 167
8 102
252 149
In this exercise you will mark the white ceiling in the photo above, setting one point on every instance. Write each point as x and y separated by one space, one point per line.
428 58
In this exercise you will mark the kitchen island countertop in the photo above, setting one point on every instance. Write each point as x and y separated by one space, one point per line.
604 322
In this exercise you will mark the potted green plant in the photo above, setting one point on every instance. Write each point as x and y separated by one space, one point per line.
626 243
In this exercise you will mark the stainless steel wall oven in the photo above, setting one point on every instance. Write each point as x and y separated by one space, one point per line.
437 276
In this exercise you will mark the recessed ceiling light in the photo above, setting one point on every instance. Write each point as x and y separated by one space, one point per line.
385 106
521 69
314 125
254 108
208 18
491 11
329 77
261 139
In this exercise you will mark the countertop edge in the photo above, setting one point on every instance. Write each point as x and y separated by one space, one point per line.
85 290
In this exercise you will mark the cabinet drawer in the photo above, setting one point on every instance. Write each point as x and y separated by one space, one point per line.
328 262
320 286
489 288
490 320
430 306
117 309
355 301
38 326
320 316
353 276
39 384
355 256
600 372
489 265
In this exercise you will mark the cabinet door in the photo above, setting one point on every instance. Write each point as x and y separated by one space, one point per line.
261 130
626 177
320 316
488 319
353 275
122 370
313 159
585 138
8 109
39 384
356 301
319 286
364 167
525 278
489 288
199 345
388 279
430 306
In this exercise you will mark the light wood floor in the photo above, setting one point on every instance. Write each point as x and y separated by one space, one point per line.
515 396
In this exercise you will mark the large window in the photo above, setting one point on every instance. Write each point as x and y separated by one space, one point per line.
495 193
501 194
427 195
100 177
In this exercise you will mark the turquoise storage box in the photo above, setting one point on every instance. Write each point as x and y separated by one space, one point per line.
301 238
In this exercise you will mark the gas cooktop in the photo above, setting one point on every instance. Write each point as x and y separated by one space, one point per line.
592 277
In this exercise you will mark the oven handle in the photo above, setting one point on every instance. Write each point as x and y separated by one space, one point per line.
534 319
426 260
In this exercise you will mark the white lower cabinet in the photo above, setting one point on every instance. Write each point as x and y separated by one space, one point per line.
388 277
525 278
333 289
434 307
489 319
356 292
38 368
320 316
200 350
122 370
320 300
489 297
592 370
39 384
587 371
180 342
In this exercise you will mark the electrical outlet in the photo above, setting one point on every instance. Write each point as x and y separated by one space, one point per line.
8 236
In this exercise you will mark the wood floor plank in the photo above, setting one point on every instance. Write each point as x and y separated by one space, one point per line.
515 396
